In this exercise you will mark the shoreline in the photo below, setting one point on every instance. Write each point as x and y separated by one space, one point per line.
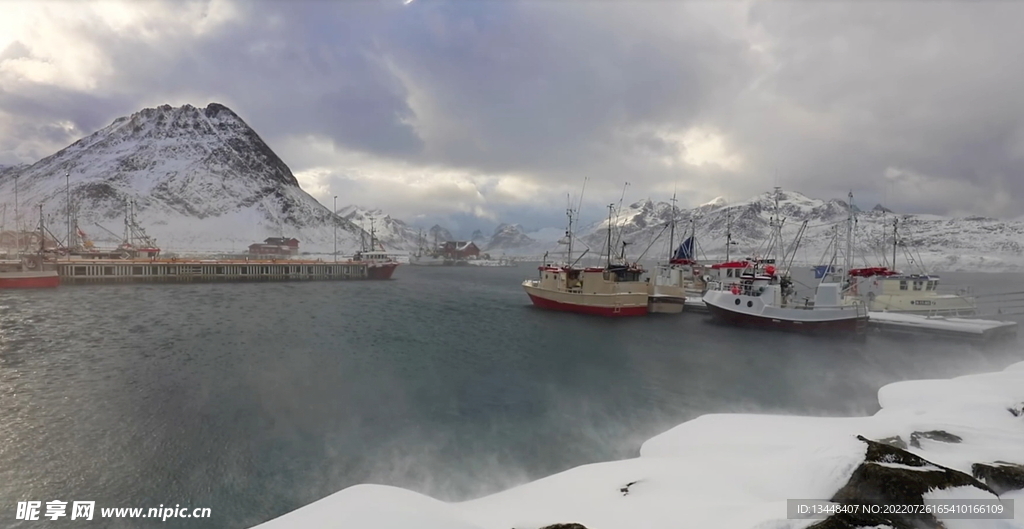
737 470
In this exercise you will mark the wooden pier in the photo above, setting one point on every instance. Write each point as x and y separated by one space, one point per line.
194 270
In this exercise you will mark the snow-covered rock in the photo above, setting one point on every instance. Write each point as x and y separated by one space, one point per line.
738 470
508 238
393 233
201 178
439 234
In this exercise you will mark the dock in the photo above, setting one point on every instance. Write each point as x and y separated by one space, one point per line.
917 324
197 270
941 326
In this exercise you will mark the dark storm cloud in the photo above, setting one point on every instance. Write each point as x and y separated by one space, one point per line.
544 86
925 98
932 88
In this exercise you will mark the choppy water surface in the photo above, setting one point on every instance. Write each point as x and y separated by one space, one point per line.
256 399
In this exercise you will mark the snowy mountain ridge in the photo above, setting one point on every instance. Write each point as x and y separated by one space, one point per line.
928 241
201 179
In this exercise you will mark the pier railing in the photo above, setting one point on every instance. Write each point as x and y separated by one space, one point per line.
195 270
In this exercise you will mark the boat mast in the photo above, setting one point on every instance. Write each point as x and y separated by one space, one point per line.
672 230
373 237
895 221
568 230
42 232
610 206
728 233
17 219
67 183
778 225
848 259
127 234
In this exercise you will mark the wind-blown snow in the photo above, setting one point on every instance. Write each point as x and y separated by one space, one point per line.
722 470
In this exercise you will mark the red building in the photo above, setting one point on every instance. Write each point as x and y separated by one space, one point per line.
275 246
460 250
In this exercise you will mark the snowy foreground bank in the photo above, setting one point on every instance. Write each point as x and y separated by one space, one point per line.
961 438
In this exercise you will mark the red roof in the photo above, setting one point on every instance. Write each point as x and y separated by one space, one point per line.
731 264
872 271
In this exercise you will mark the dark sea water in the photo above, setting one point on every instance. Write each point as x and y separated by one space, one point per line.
256 399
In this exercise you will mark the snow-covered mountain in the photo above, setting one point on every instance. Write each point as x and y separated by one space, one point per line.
439 235
394 234
937 243
511 239
201 178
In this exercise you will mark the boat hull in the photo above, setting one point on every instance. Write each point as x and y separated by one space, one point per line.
381 271
42 279
843 326
845 320
612 305
660 304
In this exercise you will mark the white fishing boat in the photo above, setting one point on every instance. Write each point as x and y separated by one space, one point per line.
765 297
886 290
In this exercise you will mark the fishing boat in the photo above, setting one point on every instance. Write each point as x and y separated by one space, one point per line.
886 290
380 264
27 272
424 257
30 270
764 297
617 289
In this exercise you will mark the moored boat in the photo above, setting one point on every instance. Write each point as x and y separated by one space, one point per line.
763 300
886 290
611 291
29 272
380 264
766 298
617 289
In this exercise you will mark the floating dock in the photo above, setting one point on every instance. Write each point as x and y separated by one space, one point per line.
941 326
196 270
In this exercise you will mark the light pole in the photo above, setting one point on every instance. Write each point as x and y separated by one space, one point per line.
335 222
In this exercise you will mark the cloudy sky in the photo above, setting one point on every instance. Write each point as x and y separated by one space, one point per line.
478 110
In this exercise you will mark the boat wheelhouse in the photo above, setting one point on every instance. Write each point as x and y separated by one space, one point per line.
886 290
611 291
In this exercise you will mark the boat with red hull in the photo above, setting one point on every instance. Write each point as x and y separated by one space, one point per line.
380 265
27 272
614 291
29 279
